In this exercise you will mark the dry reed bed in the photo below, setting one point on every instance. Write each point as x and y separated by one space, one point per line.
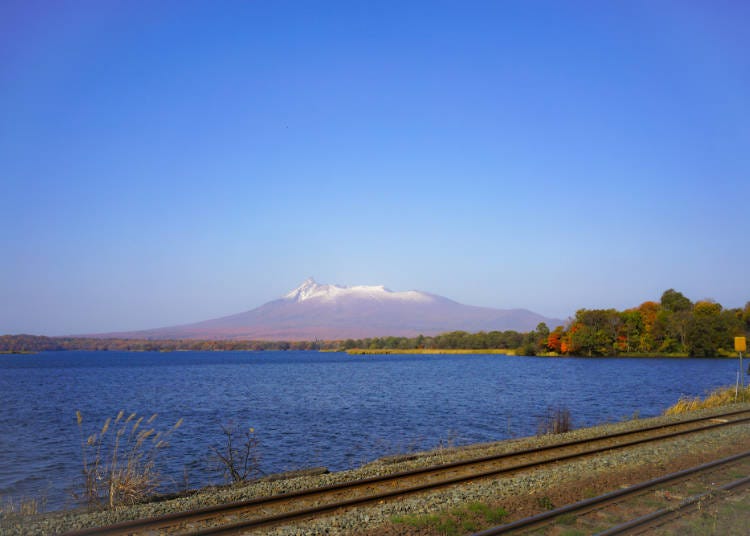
719 397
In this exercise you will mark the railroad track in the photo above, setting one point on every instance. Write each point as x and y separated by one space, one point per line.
239 517
640 524
647 523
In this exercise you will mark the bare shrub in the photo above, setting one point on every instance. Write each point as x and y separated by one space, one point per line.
119 461
238 459
556 421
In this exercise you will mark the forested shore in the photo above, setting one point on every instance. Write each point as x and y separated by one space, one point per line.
37 343
672 326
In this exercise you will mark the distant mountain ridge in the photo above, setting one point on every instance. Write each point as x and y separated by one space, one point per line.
330 312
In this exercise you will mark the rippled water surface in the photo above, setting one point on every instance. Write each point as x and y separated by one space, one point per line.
310 408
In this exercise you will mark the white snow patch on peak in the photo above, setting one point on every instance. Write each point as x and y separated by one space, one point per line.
310 290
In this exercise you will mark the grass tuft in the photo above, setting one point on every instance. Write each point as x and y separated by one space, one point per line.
119 463
23 506
567 519
556 421
459 520
545 502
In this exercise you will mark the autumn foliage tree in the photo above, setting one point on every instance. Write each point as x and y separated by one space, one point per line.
554 340
672 325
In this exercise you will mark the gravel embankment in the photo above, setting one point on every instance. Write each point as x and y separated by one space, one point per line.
703 446
505 490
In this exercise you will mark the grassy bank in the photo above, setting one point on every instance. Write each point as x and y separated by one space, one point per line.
720 397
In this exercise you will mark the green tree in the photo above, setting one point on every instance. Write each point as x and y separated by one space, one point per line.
596 332
542 336
708 329
631 329
674 301
495 339
511 339
746 317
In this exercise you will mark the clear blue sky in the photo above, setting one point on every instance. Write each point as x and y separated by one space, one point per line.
169 162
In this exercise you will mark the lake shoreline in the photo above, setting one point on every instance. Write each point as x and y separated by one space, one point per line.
313 409
75 519
425 351
510 352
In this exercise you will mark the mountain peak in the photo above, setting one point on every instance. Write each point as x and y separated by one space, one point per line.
305 290
314 311
311 289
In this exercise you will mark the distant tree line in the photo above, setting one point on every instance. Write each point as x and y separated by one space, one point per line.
35 343
672 326
451 340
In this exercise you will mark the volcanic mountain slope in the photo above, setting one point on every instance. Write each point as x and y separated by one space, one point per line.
329 312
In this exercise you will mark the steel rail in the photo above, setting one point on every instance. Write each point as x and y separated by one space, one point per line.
234 528
616 496
638 525
153 523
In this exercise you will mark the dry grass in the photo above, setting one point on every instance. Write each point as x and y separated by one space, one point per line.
720 397
23 506
119 460
556 421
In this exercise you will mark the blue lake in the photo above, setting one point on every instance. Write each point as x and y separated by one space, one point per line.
310 408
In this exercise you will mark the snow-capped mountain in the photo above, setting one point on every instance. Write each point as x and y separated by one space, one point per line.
310 290
314 311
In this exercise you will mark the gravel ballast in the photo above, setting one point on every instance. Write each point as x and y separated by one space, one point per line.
703 446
